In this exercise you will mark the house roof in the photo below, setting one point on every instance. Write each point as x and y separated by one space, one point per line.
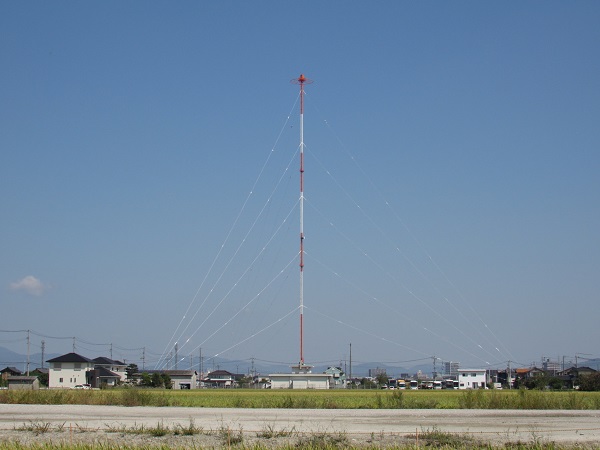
103 372
585 369
22 379
577 370
219 372
107 361
11 370
70 357
41 370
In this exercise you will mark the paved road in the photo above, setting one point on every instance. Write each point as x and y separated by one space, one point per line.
493 425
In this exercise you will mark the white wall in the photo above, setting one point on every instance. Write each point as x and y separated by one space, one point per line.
472 379
68 374
300 381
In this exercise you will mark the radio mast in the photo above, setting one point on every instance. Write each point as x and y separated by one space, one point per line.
302 80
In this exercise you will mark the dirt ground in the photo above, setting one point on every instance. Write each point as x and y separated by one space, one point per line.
219 427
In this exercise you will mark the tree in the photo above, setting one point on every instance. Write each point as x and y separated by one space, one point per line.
130 370
367 383
43 377
146 379
157 380
555 383
382 379
589 382
166 381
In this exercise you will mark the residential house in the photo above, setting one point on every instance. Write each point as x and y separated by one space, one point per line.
113 371
69 370
577 371
472 379
101 377
338 377
571 375
10 372
219 379
524 375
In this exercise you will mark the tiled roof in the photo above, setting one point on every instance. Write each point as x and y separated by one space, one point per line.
219 372
22 379
70 357
104 360
103 372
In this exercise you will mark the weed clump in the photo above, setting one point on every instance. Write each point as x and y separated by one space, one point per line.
323 440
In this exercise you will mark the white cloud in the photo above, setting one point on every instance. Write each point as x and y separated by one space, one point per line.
29 284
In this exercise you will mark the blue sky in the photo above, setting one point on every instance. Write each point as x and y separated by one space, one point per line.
452 145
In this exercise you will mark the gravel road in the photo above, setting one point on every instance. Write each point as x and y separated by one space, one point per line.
381 427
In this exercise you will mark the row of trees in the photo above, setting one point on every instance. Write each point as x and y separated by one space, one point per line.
156 380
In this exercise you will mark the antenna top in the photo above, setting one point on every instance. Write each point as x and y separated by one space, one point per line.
301 80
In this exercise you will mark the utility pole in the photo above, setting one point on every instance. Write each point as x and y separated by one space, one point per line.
143 358
509 376
176 354
27 352
200 362
111 351
73 344
43 351
351 382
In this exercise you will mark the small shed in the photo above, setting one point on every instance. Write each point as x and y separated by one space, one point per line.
23 383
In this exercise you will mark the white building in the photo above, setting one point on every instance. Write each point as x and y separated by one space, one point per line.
451 369
68 370
301 378
472 379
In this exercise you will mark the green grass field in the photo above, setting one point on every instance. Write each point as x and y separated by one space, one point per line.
331 399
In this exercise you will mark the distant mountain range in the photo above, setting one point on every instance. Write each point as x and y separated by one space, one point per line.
8 358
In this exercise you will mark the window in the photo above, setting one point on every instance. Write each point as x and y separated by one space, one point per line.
57 366
60 380
77 366
473 374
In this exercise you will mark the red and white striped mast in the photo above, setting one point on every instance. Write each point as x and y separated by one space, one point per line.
302 80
